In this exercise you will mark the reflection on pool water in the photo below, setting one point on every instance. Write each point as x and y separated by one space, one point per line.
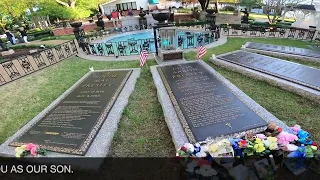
132 43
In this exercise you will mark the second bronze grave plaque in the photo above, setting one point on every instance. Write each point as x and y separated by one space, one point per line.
293 72
284 49
71 125
206 107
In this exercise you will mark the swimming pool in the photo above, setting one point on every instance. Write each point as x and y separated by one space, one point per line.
133 42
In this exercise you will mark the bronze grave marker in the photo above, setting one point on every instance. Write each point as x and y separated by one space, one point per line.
297 73
206 107
71 125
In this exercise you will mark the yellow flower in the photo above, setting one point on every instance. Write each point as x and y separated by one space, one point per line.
258 140
19 151
273 146
23 146
259 147
213 148
272 139
18 155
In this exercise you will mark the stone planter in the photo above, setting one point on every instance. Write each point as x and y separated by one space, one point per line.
142 14
76 24
210 11
161 17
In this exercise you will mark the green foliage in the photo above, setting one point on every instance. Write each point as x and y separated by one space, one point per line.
183 10
251 18
251 3
226 1
228 8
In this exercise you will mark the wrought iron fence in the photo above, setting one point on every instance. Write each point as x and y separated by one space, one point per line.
27 64
186 40
270 32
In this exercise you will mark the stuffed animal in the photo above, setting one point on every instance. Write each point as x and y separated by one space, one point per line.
296 128
271 143
261 136
250 136
272 129
203 151
285 138
304 137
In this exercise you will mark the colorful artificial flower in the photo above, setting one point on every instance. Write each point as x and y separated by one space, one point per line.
259 146
20 150
30 148
242 143
260 136
213 148
273 143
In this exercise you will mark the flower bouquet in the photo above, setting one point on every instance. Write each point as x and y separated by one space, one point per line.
28 149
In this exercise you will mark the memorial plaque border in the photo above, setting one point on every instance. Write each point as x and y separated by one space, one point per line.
95 129
267 72
181 117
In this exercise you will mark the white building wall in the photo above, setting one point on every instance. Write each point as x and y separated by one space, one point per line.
107 8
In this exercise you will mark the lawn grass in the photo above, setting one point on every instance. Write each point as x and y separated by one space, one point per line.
142 129
65 37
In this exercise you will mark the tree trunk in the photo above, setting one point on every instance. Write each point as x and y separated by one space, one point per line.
72 4
204 4
217 5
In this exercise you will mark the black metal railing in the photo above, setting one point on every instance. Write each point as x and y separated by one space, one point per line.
185 40
24 65
270 31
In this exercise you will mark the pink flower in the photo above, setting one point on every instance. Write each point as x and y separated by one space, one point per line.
31 146
33 151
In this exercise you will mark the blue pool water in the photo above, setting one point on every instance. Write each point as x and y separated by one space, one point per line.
131 44
136 36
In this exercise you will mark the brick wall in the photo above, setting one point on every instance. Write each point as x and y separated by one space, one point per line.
86 27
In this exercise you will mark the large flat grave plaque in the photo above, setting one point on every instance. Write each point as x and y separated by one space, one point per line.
206 107
297 73
284 49
71 125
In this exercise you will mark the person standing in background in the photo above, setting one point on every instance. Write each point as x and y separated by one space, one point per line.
115 18
23 34
10 37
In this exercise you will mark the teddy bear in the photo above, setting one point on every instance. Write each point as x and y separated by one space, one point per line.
296 128
271 143
285 138
304 137
272 129
250 136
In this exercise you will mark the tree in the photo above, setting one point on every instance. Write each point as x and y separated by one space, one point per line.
204 4
13 8
278 7
188 2
69 3
4 20
251 3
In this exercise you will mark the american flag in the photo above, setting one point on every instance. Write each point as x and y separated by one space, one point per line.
201 51
143 57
